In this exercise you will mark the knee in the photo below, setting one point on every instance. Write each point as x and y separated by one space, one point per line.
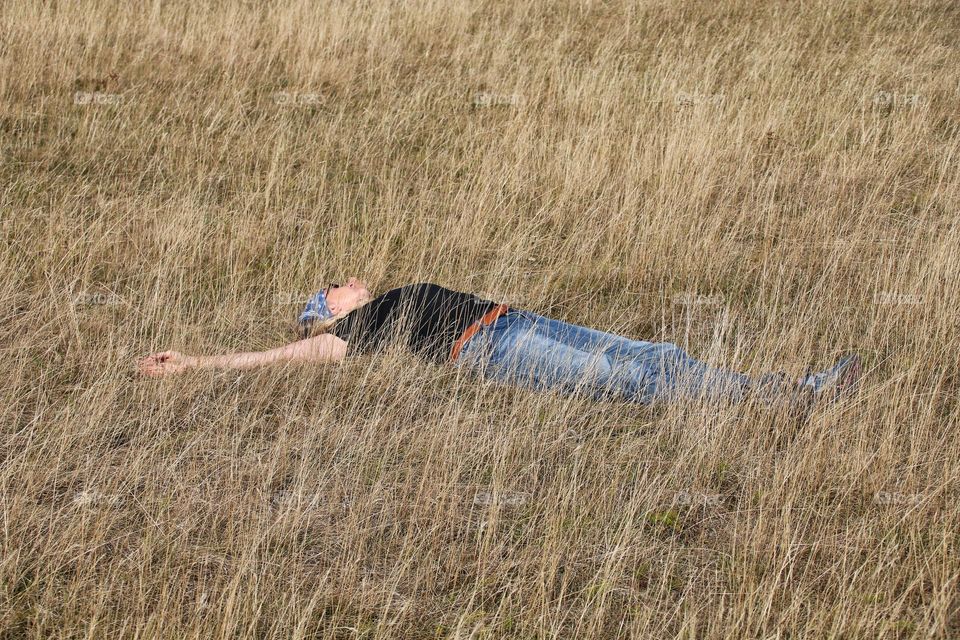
672 354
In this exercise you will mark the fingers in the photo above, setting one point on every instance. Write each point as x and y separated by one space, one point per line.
153 364
148 366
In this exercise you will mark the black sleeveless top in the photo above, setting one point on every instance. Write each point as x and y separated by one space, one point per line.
425 317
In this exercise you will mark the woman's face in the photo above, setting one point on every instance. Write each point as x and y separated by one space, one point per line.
346 298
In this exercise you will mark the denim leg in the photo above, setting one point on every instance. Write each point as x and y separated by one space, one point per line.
674 373
643 371
517 350
600 363
531 350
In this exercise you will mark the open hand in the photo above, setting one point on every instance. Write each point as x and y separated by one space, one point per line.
165 363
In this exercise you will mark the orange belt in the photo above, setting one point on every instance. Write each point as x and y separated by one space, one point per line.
487 318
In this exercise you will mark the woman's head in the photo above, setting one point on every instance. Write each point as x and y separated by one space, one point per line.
341 300
330 304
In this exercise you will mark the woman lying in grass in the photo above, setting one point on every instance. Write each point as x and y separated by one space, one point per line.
514 346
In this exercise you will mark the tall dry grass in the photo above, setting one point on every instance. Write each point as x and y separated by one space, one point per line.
765 184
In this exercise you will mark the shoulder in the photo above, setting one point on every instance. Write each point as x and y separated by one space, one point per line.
418 292
414 286
430 287
412 290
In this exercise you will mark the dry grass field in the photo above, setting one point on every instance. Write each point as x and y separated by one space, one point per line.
767 184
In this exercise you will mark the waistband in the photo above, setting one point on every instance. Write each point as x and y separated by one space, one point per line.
486 319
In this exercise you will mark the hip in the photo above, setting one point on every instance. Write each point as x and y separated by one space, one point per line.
527 335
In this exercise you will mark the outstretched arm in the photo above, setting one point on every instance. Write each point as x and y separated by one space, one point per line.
322 348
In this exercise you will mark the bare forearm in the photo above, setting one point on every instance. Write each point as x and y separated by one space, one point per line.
310 350
244 360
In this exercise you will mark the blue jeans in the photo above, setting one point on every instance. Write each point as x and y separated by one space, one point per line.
527 349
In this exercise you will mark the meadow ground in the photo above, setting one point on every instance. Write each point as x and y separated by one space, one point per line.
767 184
